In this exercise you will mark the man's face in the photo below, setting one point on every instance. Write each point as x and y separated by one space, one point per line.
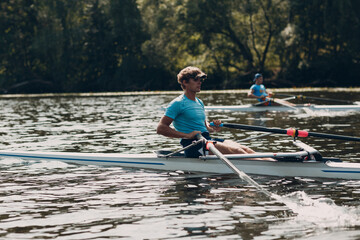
259 80
194 84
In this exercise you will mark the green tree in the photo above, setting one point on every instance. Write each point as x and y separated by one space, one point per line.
230 39
112 45
326 49
18 26
128 36
100 60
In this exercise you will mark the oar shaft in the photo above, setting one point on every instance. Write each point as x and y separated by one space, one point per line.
254 128
334 136
210 146
290 132
278 101
284 104
214 150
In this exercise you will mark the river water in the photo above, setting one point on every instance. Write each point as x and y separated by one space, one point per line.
55 200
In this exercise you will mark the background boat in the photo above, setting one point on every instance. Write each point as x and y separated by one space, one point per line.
298 107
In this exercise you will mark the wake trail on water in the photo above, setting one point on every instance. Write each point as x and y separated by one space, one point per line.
322 113
321 212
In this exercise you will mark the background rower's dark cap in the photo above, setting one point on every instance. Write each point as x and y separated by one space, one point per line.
257 76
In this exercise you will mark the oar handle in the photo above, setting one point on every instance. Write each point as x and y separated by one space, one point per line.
212 124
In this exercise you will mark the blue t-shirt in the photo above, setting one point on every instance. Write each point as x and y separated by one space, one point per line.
259 90
188 115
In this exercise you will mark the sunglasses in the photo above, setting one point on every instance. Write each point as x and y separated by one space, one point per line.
200 78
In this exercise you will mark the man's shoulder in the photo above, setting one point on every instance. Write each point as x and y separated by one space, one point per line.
254 86
177 102
178 99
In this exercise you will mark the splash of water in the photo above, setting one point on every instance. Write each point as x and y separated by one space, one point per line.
322 212
308 113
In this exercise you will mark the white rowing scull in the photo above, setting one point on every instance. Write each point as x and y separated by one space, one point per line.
257 108
295 164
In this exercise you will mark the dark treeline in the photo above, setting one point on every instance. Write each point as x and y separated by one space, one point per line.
124 45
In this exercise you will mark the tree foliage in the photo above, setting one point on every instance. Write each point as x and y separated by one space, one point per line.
112 45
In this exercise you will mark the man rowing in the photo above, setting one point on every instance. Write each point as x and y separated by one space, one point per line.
258 91
187 114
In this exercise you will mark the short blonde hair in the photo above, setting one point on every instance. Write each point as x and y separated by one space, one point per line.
187 73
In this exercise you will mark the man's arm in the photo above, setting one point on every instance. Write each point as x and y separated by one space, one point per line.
251 94
269 93
164 128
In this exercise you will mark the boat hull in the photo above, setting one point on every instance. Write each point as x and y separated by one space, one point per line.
314 169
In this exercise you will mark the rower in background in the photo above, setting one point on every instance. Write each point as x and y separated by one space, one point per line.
258 91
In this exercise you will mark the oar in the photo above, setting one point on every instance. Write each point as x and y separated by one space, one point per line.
306 110
210 146
285 104
291 132
273 99
280 102
302 97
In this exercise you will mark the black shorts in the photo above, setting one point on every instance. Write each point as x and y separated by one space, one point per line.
199 149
